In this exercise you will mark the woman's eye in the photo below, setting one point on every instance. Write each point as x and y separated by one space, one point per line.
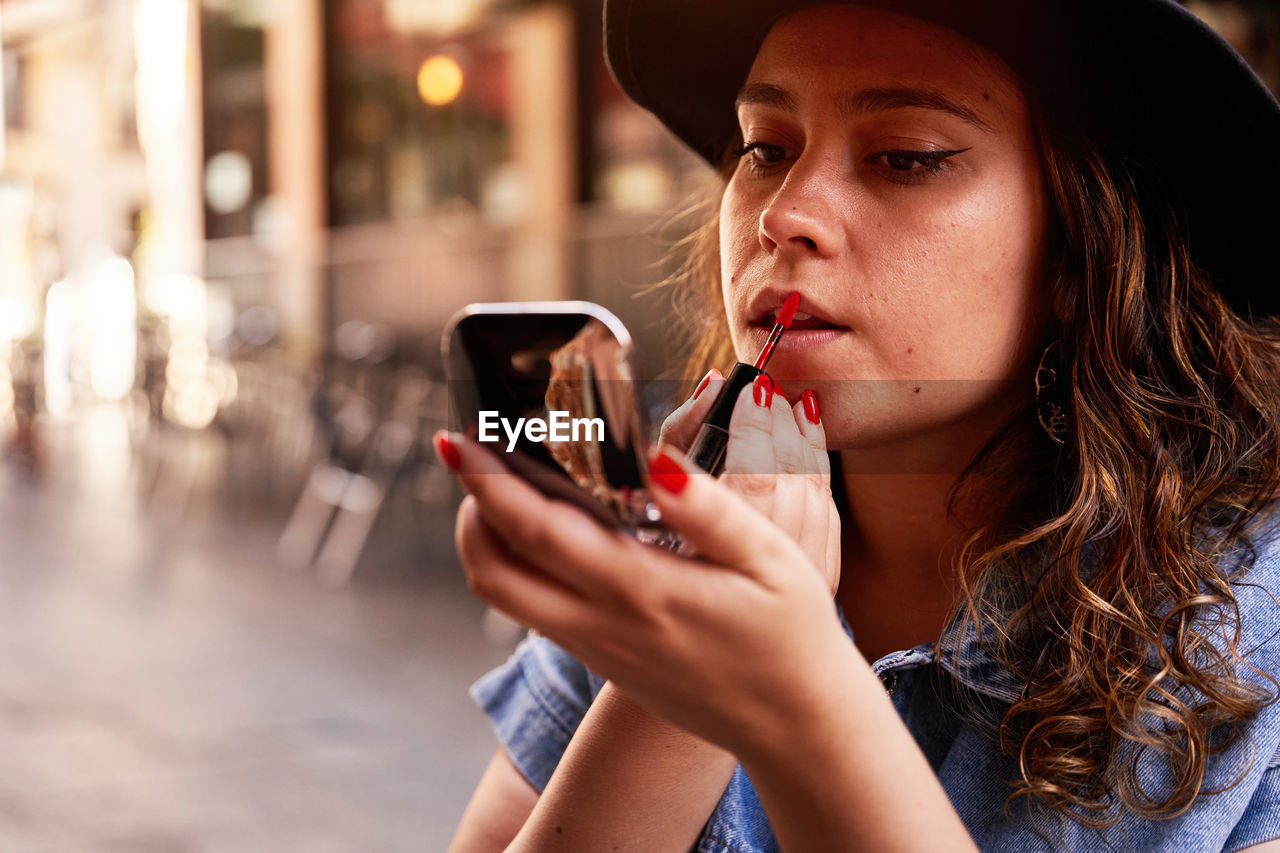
907 166
761 156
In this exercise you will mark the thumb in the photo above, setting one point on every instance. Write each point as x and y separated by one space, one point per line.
682 425
714 519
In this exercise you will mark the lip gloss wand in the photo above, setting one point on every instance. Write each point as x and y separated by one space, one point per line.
707 450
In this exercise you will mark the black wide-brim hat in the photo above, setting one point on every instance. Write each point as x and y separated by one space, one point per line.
1145 78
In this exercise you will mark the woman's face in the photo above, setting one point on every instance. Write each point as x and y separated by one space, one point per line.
890 174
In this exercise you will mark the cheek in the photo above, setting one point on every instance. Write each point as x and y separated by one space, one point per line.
971 273
983 238
737 237
737 234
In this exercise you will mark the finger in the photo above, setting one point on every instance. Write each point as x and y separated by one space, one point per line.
719 524
791 454
821 538
681 426
801 451
749 465
507 582
503 497
792 502
808 418
559 539
810 512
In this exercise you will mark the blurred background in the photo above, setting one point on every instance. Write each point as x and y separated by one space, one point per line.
231 231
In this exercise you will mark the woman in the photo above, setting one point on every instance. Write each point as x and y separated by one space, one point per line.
1024 240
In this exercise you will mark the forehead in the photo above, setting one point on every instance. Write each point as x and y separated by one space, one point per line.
853 45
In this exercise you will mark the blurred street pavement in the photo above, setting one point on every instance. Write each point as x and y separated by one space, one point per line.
166 688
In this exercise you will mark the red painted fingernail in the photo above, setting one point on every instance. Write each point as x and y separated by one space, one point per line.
777 389
810 401
762 391
702 386
666 473
447 451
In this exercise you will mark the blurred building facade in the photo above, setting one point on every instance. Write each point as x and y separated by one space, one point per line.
378 160
202 176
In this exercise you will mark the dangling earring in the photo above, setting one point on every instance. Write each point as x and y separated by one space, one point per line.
1049 410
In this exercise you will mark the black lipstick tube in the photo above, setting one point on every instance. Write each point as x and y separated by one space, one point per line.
707 450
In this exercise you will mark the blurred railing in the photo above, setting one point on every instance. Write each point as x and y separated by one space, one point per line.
412 277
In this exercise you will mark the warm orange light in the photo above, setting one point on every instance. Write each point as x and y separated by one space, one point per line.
439 80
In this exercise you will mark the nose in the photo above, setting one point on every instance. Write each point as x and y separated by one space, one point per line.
802 217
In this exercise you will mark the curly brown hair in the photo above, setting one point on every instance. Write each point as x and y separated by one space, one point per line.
1105 585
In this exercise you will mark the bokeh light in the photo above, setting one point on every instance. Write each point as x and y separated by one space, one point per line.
440 80
110 318
228 181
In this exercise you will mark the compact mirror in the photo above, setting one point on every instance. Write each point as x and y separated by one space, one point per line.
549 388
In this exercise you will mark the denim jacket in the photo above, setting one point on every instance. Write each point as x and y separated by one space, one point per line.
537 699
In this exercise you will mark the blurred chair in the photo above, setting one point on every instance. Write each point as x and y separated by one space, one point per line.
378 418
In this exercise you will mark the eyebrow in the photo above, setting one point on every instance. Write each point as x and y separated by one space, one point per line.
864 101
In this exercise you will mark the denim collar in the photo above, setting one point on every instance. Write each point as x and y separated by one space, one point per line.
961 653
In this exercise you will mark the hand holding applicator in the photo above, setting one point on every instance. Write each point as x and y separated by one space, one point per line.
707 450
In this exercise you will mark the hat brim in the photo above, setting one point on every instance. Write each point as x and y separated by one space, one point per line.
1173 95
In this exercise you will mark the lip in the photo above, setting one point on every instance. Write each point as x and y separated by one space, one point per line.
796 340
768 301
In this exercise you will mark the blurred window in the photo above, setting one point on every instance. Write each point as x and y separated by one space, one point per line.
637 165
235 117
418 108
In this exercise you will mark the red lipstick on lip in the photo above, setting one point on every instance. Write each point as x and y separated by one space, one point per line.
786 314
707 450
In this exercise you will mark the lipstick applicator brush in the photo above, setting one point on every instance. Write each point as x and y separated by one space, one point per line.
707 450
